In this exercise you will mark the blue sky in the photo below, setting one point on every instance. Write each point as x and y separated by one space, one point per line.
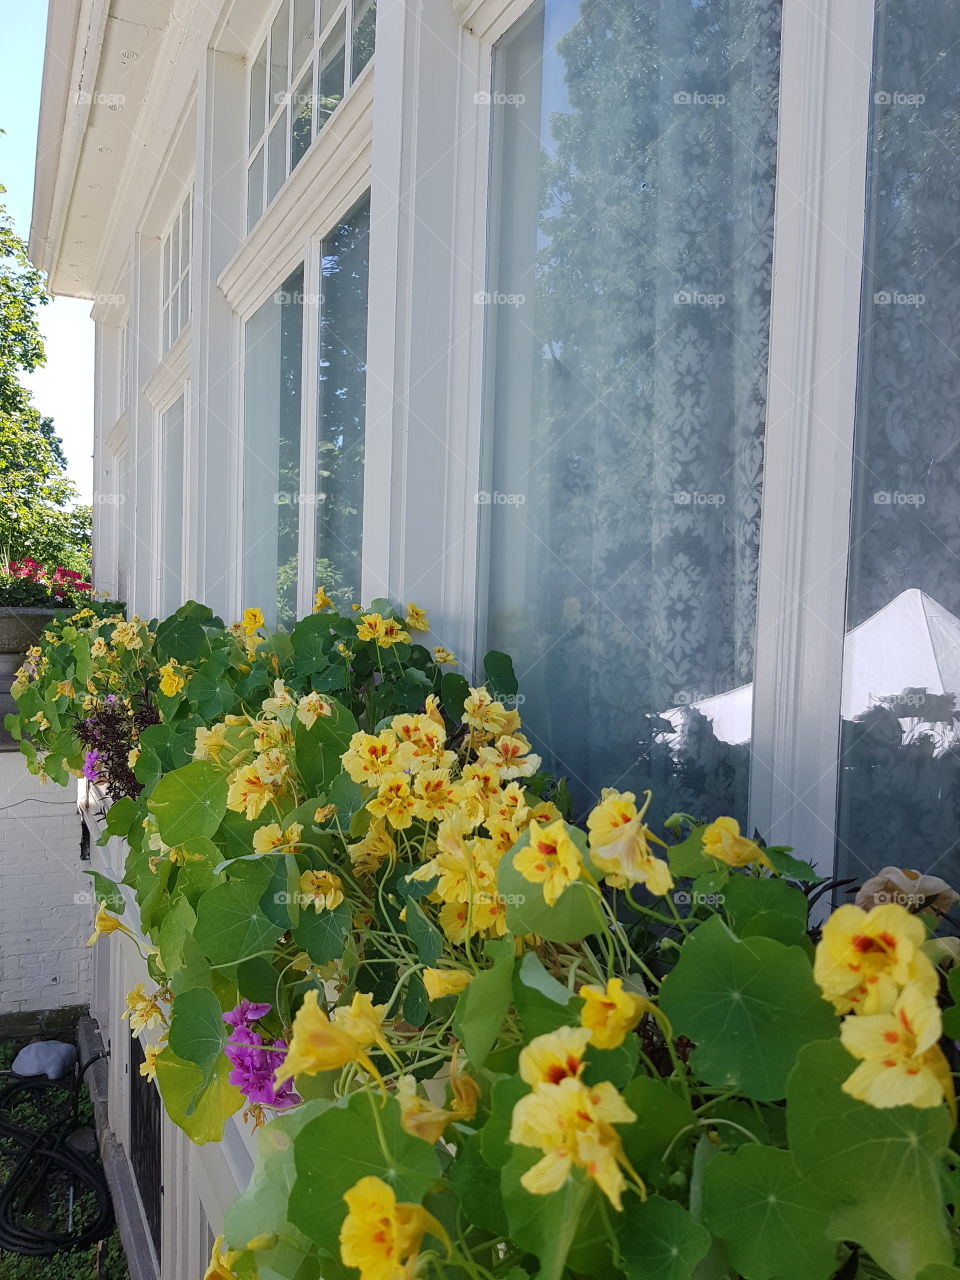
64 387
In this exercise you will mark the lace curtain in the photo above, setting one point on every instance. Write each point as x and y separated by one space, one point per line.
899 774
634 161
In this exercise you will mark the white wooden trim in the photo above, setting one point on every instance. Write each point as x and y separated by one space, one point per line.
821 167
165 383
330 178
309 404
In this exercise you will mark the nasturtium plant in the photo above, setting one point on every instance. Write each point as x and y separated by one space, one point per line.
480 1039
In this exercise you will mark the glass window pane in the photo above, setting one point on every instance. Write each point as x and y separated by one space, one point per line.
277 157
628 311
255 189
302 122
327 9
258 96
170 571
185 230
185 298
342 405
279 55
900 747
364 33
166 267
330 88
303 14
174 238
273 345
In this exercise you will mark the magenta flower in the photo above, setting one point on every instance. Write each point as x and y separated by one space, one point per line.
91 770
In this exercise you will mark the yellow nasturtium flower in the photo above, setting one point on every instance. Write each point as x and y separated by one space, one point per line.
901 1062
620 843
416 619
143 1011
445 982
381 1237
722 840
864 958
172 680
395 802
321 601
313 707
322 888
443 657
127 634
252 621
221 1262
610 1013
572 1124
104 922
249 792
320 1043
148 1067
551 859
553 1057
271 839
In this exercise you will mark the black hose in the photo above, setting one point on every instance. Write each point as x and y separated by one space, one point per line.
47 1155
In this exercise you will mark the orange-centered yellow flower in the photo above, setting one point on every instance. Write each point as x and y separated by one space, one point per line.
620 843
443 657
394 801
416 619
901 1062
371 757
321 1044
722 840
270 839
572 1124
143 1011
609 1013
249 792
171 679
553 1057
551 859
313 707
381 1237
864 958
322 888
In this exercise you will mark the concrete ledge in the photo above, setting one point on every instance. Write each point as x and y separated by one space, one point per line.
131 1223
47 1024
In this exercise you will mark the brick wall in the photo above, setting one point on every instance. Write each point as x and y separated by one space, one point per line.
44 960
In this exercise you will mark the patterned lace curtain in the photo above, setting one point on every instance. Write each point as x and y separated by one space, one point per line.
634 163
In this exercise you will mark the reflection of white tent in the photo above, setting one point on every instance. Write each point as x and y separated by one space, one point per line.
911 643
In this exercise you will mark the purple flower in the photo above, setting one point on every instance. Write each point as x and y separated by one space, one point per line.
245 1013
91 770
254 1064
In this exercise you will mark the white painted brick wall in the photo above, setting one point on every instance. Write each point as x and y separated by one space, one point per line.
44 959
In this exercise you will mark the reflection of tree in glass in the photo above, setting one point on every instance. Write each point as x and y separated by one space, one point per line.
634 596
364 34
342 402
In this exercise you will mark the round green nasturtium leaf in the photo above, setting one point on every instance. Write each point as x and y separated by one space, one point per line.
939 1271
340 1146
766 908
319 748
230 924
749 1006
322 933
482 1006
770 1218
661 1241
190 802
197 1030
576 914
662 1116
181 638
200 1111
882 1169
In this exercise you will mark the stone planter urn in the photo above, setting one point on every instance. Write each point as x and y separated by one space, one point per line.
19 629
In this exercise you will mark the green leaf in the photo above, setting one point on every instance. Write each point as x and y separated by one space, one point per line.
749 1005
576 914
454 692
542 1003
498 668
546 1226
108 891
687 860
319 748
341 1145
230 925
482 1007
662 1116
181 638
312 640
200 1113
881 1168
766 908
478 1187
792 868
120 817
189 802
770 1218
951 1016
197 1030
322 933
425 936
661 1241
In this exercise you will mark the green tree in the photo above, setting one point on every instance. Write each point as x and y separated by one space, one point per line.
39 513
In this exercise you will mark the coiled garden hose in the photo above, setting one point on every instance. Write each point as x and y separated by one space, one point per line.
52 1184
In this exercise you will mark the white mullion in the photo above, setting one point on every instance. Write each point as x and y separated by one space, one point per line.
815 317
309 403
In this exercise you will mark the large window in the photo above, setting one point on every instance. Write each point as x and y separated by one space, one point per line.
344 262
900 746
628 304
175 285
311 54
273 356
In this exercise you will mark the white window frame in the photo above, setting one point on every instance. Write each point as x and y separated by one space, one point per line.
176 283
